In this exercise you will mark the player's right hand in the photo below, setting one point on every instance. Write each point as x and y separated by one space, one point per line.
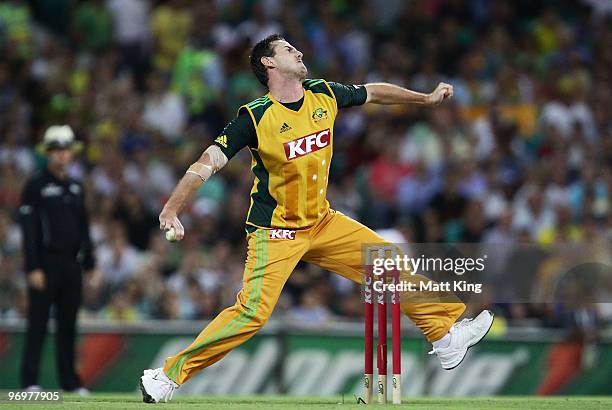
36 279
168 220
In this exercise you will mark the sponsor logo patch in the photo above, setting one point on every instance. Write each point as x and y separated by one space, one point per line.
25 209
51 190
222 140
282 234
284 127
305 145
75 189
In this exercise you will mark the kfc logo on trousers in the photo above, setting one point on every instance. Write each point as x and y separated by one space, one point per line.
282 234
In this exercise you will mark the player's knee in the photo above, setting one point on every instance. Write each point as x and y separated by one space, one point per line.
257 313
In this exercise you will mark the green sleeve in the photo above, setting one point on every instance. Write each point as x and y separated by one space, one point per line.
349 95
236 135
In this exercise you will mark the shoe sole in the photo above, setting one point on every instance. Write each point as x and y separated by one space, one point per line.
146 397
475 343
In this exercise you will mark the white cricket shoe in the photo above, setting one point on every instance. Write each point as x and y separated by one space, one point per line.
80 391
156 386
464 335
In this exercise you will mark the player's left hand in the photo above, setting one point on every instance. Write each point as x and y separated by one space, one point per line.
94 278
442 92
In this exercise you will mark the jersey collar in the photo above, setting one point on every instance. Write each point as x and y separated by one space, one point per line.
289 110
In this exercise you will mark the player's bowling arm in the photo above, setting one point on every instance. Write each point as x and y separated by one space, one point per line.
209 162
385 93
168 218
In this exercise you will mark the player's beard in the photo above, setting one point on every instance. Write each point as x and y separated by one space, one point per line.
295 72
302 73
298 72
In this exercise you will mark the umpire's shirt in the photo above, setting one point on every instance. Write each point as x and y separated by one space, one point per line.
55 225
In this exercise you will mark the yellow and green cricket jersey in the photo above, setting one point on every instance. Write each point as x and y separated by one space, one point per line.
291 148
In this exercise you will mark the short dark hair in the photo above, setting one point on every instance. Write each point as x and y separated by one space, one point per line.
263 49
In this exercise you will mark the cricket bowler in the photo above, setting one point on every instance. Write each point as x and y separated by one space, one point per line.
289 133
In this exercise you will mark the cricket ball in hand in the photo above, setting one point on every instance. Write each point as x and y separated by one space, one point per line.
171 235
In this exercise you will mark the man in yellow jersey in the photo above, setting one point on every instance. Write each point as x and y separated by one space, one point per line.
290 133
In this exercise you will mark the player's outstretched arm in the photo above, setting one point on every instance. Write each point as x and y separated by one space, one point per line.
209 162
384 93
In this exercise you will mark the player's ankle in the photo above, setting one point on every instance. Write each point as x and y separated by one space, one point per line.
442 343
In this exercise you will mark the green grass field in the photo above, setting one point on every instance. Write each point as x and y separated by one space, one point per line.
132 401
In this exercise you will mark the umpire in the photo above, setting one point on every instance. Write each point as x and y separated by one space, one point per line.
56 245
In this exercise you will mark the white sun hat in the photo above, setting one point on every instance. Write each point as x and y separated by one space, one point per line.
59 137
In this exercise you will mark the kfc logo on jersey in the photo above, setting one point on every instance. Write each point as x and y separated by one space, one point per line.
305 145
282 234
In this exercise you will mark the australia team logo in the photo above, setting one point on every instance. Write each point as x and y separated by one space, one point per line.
319 114
305 145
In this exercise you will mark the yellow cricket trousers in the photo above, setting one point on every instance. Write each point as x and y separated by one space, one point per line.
334 243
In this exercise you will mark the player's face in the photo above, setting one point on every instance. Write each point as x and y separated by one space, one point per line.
289 60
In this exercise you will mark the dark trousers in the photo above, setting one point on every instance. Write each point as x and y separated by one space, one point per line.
63 292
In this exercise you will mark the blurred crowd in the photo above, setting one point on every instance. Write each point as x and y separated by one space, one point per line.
523 153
